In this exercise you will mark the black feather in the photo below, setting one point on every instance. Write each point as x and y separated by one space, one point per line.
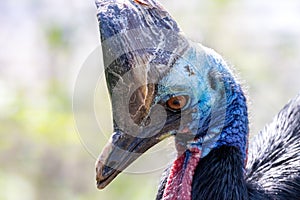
274 155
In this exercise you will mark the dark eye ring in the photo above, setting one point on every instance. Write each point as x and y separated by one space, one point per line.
176 103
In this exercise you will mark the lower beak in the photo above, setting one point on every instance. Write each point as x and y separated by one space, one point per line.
119 153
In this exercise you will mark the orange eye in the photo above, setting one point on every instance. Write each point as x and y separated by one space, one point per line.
178 102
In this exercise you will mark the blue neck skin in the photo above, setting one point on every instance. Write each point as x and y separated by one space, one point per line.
235 131
235 127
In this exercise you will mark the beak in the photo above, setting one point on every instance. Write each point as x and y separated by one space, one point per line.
124 148
119 153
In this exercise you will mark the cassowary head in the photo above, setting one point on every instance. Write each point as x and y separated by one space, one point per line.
163 85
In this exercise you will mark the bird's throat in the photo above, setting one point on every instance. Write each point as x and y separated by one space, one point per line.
179 182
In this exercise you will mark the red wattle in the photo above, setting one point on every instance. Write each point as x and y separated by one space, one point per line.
179 182
173 181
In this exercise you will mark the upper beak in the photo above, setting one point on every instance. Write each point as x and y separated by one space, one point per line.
119 153
124 148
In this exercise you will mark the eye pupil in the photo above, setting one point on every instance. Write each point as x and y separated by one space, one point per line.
178 102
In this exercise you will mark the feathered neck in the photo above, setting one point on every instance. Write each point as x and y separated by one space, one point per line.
220 175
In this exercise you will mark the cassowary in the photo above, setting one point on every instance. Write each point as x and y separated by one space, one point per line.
161 85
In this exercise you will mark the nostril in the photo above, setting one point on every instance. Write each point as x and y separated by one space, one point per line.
112 163
111 166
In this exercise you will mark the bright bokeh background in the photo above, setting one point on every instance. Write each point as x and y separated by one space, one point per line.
43 46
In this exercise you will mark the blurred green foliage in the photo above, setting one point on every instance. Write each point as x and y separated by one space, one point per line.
41 153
